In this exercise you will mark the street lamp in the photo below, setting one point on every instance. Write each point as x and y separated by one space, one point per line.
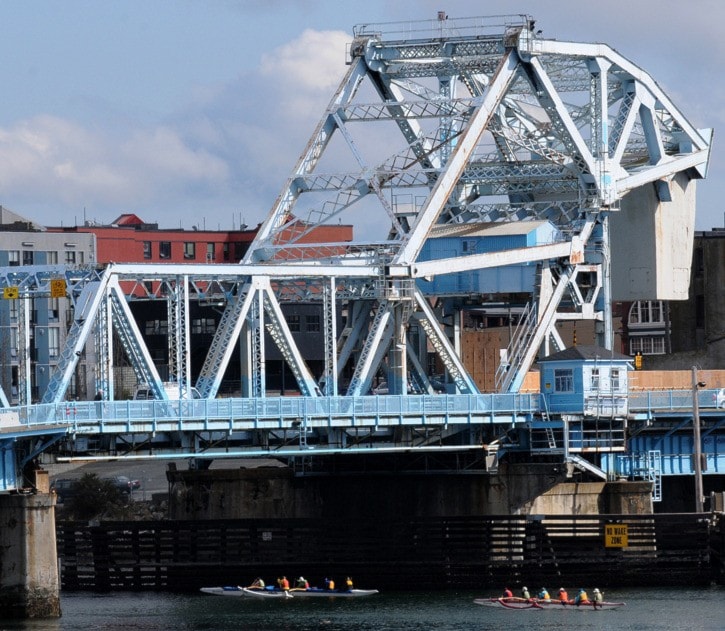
696 438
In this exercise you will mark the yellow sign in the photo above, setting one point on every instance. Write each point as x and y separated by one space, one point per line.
10 293
616 535
57 288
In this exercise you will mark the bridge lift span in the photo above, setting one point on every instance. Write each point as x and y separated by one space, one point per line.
437 126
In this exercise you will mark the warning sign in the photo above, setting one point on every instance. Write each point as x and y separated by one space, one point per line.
615 535
10 293
57 288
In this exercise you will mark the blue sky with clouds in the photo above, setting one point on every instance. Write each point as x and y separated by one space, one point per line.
193 112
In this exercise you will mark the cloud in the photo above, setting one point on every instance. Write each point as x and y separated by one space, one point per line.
230 145
67 163
311 62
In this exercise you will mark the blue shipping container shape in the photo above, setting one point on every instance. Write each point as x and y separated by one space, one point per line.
452 241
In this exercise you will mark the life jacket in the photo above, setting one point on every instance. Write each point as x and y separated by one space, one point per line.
563 596
507 593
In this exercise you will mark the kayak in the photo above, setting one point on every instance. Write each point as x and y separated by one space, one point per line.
235 590
508 603
535 603
310 592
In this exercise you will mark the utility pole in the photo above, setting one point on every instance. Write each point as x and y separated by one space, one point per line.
696 438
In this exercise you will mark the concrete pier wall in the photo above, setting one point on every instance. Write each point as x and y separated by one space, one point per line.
275 492
29 583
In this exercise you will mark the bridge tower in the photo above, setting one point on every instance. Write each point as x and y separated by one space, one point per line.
454 125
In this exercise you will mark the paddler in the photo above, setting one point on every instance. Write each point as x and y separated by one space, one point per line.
563 596
581 598
525 593
543 594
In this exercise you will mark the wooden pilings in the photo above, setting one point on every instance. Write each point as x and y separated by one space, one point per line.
426 553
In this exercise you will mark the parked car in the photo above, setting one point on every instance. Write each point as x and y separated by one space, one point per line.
123 483
718 398
64 489
144 392
382 388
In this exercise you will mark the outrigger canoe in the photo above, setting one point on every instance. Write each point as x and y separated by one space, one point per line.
311 592
535 603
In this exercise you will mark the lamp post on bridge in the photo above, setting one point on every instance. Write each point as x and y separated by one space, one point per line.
696 439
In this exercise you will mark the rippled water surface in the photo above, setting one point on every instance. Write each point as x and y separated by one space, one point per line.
656 609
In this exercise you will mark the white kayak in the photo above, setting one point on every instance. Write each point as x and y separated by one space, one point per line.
312 592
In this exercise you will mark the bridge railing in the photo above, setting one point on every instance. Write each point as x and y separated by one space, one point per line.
671 400
95 417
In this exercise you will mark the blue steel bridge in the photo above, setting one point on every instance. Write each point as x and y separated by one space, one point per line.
479 163
656 440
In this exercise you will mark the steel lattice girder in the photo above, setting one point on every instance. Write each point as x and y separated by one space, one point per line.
549 130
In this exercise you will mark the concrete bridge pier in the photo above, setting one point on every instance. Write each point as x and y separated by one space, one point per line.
29 583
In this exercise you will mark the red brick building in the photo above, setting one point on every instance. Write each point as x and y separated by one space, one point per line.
129 239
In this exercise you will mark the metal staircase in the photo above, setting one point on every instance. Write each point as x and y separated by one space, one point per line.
584 465
517 348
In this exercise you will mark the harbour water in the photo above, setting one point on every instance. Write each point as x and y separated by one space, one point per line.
647 608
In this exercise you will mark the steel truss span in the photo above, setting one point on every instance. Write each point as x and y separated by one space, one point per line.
437 128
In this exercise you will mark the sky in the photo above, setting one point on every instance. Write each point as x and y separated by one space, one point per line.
193 113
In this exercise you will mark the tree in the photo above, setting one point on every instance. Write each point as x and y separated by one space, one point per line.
93 497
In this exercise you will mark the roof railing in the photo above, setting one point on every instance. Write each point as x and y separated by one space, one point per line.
443 27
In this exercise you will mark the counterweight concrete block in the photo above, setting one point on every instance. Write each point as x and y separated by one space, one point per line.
29 583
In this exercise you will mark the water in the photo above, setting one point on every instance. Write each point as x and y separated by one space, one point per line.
655 609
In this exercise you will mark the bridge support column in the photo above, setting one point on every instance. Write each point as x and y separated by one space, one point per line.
29 582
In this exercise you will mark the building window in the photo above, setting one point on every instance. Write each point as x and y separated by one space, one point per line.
28 257
594 385
210 255
13 341
53 310
225 251
240 249
699 265
646 312
615 379
189 250
293 321
563 380
203 325
157 327
70 257
164 249
147 249
313 322
647 345
51 258
53 342
14 258
700 311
